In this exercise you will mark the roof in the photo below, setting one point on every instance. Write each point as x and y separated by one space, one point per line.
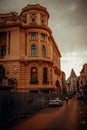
73 74
34 7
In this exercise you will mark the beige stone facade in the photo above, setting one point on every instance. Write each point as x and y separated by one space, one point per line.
29 56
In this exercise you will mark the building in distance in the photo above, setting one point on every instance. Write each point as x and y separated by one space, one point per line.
72 82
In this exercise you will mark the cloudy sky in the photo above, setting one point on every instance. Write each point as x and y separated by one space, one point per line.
68 22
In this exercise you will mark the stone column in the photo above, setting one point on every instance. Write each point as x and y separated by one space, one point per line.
25 51
39 45
7 44
47 46
28 45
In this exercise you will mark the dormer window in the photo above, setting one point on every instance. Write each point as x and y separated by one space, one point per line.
43 19
33 17
33 20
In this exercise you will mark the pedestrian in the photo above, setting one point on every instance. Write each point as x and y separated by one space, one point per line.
66 100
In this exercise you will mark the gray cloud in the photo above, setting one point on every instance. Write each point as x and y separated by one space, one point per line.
78 13
68 20
73 60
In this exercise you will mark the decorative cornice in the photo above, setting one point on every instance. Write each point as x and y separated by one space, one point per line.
38 26
25 27
15 24
8 14
36 60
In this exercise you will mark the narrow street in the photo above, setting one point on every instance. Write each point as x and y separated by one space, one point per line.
57 118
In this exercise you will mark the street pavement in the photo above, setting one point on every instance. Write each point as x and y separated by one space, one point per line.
67 117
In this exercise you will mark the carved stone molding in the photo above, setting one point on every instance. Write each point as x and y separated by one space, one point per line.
15 69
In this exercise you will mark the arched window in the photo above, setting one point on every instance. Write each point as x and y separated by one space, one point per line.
2 72
45 75
33 50
43 51
3 50
34 75
43 19
2 43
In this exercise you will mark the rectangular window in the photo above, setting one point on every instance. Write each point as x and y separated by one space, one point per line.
33 36
45 76
43 51
3 50
42 21
43 37
3 41
33 50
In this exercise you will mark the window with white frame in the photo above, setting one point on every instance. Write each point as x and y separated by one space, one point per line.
43 51
33 36
43 37
33 50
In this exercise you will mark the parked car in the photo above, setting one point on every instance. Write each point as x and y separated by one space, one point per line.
55 102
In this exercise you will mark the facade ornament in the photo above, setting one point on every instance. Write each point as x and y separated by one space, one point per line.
15 70
23 19
9 17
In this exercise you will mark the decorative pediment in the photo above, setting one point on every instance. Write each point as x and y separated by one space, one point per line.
12 17
9 17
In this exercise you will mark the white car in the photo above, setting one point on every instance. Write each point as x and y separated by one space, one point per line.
55 102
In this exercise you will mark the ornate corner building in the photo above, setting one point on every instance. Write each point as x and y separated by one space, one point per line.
29 56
